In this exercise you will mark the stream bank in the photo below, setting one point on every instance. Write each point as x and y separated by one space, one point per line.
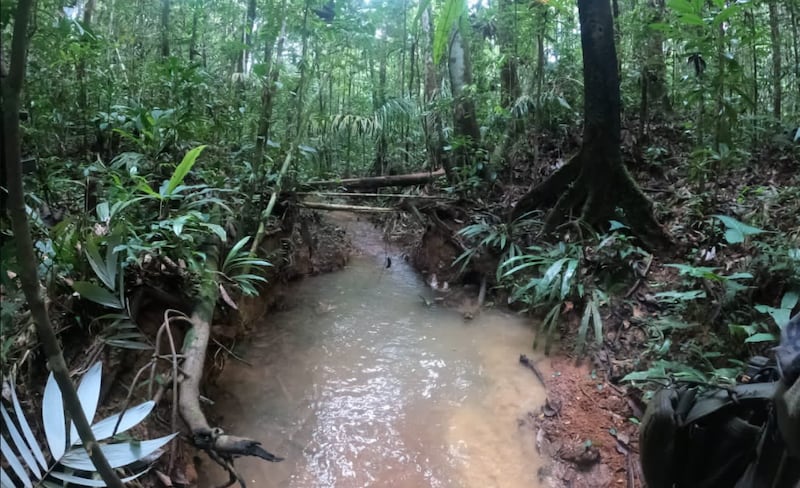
358 381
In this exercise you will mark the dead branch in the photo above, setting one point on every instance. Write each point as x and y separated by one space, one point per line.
372 182
346 208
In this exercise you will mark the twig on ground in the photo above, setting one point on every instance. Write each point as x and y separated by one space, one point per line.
530 364
641 278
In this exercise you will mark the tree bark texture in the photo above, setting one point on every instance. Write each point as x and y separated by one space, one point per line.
595 182
775 37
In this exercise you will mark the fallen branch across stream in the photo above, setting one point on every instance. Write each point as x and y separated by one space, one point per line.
372 195
346 208
372 182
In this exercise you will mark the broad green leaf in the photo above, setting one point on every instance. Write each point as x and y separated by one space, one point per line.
89 396
130 418
781 316
734 236
235 251
566 280
731 223
117 454
97 294
216 229
447 21
789 299
681 6
55 426
183 169
98 264
762 337
551 273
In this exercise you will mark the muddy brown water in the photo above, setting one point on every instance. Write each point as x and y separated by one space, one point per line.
360 384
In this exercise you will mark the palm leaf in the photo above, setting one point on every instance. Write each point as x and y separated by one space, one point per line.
26 459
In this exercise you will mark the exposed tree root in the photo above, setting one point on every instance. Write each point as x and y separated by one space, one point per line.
594 190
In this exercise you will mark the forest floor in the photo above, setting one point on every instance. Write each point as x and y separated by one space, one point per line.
587 428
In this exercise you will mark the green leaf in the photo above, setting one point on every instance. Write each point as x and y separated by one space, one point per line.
98 264
183 169
789 299
762 337
744 229
216 229
734 236
452 11
566 281
117 454
99 295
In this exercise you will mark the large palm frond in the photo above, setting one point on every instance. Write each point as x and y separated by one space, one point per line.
26 458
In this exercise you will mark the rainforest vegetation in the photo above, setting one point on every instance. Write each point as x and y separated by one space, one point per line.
625 172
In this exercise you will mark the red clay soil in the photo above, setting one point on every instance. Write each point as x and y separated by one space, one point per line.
585 429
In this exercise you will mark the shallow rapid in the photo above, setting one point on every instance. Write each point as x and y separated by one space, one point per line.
360 384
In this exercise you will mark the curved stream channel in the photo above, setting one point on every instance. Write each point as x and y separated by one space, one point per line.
360 384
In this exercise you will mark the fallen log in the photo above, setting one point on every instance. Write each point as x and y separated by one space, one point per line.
221 447
346 208
372 182
372 195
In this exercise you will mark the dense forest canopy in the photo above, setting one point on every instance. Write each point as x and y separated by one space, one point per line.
367 81
160 144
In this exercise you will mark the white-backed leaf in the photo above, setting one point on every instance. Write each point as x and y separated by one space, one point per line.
55 427
117 454
22 448
26 429
5 479
78 480
16 466
89 395
130 418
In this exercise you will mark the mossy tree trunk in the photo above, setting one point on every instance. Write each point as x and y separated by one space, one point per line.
595 183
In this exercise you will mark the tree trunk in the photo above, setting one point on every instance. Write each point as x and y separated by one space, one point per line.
774 26
11 89
465 123
379 163
595 182
655 98
267 102
795 50
165 6
433 120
